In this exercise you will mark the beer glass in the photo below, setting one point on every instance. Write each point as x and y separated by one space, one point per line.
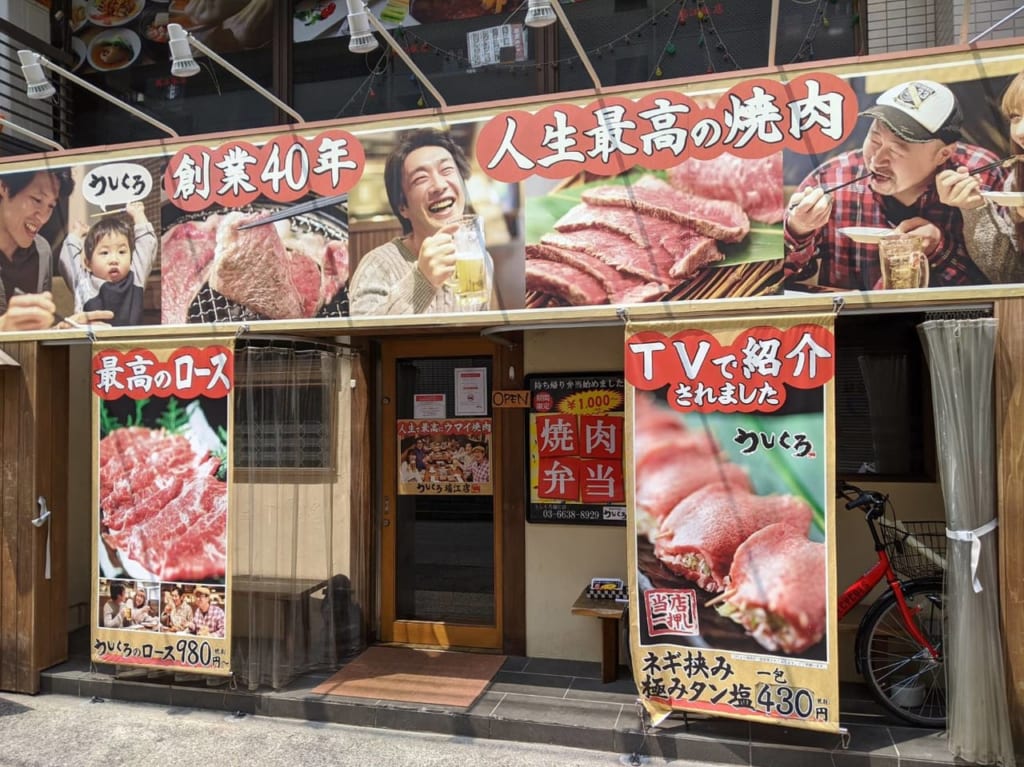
127 613
470 284
904 264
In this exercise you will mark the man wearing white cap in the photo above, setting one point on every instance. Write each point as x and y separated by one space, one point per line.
889 183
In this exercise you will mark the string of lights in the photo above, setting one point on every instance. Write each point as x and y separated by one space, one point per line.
806 49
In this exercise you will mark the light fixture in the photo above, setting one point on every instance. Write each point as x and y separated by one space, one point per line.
542 13
360 20
47 142
183 64
38 87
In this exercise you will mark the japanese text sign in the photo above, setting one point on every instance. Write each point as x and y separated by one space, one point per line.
284 169
748 375
139 374
754 119
577 433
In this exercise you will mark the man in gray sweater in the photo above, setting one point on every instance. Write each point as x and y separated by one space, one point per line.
425 181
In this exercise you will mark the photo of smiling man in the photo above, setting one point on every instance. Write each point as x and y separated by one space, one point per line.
425 180
840 210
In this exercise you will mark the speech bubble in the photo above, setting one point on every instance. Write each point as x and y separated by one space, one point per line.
116 184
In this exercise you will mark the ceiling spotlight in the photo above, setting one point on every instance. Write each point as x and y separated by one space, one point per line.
39 87
540 14
362 39
183 64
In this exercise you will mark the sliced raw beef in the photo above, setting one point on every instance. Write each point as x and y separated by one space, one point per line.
565 282
699 537
161 504
618 287
250 268
755 184
777 589
614 249
678 471
651 196
677 251
335 268
186 250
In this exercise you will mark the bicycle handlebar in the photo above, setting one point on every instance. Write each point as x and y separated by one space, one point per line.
856 497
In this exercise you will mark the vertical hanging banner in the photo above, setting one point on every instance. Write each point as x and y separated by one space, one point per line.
161 586
731 539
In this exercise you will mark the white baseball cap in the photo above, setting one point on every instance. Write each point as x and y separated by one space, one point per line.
919 111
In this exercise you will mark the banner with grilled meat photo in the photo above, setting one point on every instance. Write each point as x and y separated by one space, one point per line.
256 232
730 524
161 415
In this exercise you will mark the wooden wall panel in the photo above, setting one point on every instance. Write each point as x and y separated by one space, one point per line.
33 462
1009 381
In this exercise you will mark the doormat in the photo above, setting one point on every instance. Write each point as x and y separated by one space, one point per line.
414 676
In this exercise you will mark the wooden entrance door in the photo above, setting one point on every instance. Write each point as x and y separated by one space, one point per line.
441 575
33 450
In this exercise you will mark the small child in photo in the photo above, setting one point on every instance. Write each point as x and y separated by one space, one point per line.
107 265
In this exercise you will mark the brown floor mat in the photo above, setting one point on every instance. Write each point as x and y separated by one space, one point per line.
414 676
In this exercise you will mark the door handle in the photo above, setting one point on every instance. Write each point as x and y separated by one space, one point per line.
44 519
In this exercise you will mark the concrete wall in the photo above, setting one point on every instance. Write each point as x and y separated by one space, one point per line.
903 25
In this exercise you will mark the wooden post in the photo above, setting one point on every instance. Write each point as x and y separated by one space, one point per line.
1009 384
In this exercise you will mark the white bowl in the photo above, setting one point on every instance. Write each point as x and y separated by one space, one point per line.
132 43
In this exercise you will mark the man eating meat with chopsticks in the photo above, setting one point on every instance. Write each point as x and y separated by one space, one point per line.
889 183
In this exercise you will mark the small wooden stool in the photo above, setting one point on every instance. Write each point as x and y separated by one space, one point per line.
610 612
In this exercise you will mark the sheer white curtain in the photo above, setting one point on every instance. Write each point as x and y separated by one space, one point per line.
961 355
293 606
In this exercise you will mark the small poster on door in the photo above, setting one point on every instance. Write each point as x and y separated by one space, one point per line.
429 406
448 456
471 391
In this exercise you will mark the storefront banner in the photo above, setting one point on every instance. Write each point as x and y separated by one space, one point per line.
656 195
161 590
444 456
577 438
730 531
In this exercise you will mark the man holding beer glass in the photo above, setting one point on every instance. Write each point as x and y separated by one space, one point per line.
440 263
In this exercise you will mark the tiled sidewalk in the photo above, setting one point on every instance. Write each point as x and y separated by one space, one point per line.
548 701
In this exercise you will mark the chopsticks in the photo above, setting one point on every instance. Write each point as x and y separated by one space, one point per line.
996 164
831 189
861 177
298 210
57 316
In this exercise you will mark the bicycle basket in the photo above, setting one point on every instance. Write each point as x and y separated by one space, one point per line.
915 549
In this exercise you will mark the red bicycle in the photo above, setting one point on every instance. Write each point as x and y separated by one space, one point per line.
898 647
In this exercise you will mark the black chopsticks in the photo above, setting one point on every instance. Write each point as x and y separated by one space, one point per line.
847 183
996 164
831 189
297 210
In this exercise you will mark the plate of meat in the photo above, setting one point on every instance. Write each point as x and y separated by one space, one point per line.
212 271
690 232
739 534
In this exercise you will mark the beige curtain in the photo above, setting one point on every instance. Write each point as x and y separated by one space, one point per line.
961 354
294 608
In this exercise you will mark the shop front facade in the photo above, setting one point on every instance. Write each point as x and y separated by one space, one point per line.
383 479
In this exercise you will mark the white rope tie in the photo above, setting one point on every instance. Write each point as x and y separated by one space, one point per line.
974 537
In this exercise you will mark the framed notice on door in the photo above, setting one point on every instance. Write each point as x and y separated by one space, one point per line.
576 440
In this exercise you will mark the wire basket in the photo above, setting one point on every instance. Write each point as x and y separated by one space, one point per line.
915 549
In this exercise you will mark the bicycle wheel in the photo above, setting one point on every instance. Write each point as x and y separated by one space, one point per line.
901 674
